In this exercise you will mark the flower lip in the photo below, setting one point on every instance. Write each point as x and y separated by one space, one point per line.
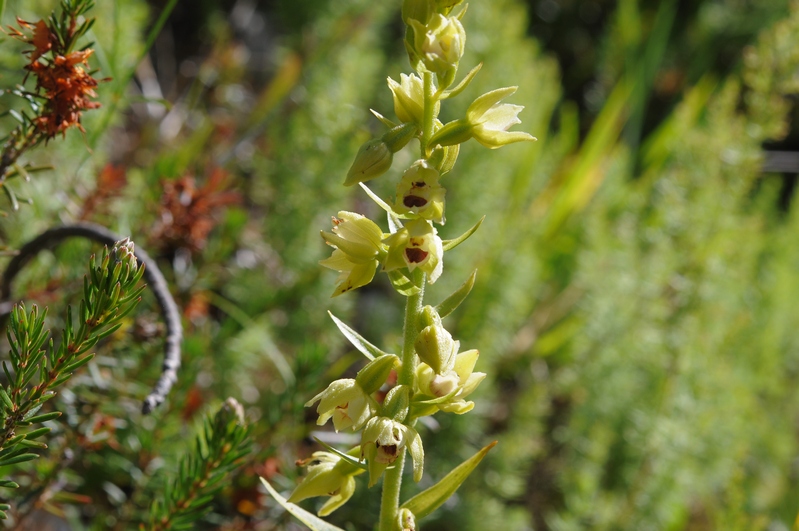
414 201
416 255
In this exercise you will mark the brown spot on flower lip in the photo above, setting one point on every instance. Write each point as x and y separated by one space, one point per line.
416 256
420 184
411 201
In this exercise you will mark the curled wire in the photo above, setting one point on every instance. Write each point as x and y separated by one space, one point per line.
155 281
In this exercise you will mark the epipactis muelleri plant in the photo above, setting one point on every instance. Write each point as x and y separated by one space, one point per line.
433 373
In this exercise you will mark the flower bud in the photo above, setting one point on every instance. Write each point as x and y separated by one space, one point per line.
443 158
397 403
372 160
420 193
375 373
435 347
398 137
407 522
429 316
439 45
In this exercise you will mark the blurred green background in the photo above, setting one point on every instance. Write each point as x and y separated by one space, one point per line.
637 300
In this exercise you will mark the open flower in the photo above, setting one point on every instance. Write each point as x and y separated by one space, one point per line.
328 475
357 243
487 121
384 440
420 193
461 381
346 402
491 120
416 245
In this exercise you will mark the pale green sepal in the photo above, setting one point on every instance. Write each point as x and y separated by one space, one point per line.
402 284
358 252
483 103
436 401
343 455
451 93
375 373
417 454
453 133
417 9
419 410
397 403
363 346
448 305
398 137
311 520
385 121
431 499
451 244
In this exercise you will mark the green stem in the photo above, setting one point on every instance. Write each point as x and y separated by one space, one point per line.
429 108
389 503
392 480
413 307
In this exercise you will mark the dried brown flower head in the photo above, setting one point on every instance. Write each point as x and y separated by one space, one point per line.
61 77
188 214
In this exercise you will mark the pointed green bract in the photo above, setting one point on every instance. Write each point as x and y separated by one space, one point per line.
431 499
363 346
309 519
451 93
451 303
451 244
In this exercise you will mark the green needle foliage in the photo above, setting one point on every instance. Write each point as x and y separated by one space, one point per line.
219 449
111 291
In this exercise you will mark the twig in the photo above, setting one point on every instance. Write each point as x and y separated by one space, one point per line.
153 275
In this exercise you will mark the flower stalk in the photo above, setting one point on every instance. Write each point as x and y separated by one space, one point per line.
432 374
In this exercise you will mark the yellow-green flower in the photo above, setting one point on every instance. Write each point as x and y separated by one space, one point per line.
487 121
408 98
461 380
357 243
384 440
416 245
491 120
328 475
346 402
420 193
